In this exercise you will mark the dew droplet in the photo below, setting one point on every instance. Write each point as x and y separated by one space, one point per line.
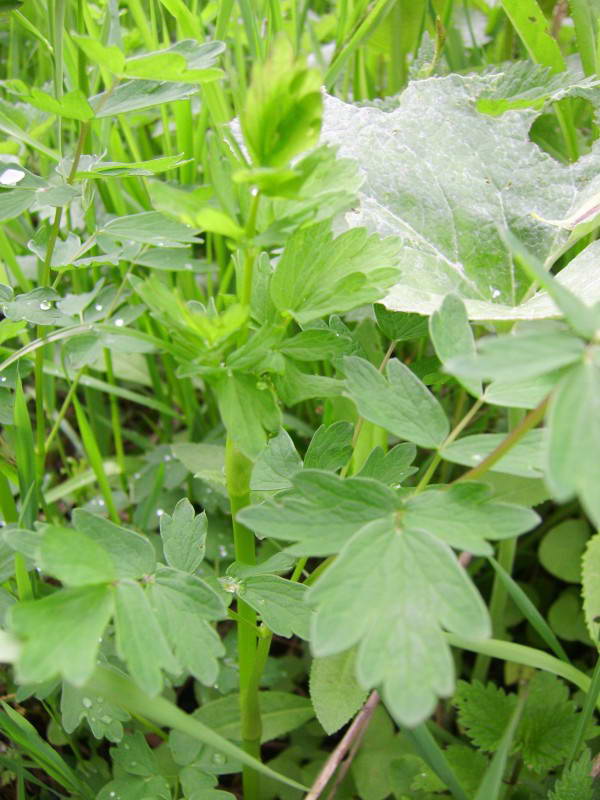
167 457
3 379
496 293
101 502
11 177
160 512
86 702
98 307
119 322
106 719
477 457
45 305
223 552
189 267
137 476
218 758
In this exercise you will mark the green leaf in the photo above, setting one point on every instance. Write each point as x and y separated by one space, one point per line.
317 344
295 386
533 28
334 691
452 336
566 617
590 578
186 61
548 725
276 465
139 95
576 782
206 461
491 786
484 712
140 641
320 511
464 516
132 554
247 408
331 447
562 548
283 109
279 602
521 84
421 162
400 326
525 459
183 621
390 591
72 105
190 592
392 467
61 633
184 536
527 354
573 441
149 227
109 169
103 717
132 788
319 275
401 404
74 558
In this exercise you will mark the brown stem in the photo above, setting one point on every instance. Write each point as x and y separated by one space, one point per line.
354 732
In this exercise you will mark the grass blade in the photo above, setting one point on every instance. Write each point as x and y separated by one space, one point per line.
491 785
430 751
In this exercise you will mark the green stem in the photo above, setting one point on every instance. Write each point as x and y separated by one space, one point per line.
238 469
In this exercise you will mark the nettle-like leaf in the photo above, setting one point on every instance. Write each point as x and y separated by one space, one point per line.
449 180
576 782
545 731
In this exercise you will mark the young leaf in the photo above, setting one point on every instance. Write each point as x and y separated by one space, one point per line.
391 468
276 465
331 447
103 717
390 591
401 404
319 275
334 691
184 536
149 227
283 109
61 633
452 336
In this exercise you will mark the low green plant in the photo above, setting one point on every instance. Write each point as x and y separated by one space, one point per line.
300 400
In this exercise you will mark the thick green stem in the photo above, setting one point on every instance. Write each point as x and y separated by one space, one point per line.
238 469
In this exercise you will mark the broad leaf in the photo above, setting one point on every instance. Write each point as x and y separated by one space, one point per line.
331 447
103 717
391 591
276 465
448 180
401 404
591 587
452 336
